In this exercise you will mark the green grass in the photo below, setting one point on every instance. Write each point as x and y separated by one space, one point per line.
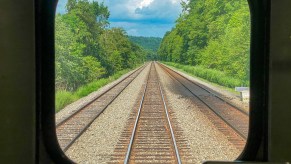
210 75
64 98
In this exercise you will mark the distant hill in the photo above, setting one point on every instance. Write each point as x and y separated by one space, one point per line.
148 43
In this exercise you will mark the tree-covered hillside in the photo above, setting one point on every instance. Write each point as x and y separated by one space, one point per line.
148 43
86 49
214 34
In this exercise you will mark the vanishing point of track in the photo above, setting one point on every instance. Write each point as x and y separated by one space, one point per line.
152 131
72 127
150 136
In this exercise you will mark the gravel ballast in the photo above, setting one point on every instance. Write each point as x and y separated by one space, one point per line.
71 108
97 144
220 91
206 142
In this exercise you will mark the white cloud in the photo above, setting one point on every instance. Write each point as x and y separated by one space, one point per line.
144 9
161 9
148 15
145 3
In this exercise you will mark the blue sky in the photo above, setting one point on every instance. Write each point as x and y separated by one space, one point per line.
140 17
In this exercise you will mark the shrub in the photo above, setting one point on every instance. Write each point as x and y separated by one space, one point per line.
211 75
64 98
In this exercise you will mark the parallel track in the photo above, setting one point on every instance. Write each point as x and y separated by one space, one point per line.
72 127
234 117
150 136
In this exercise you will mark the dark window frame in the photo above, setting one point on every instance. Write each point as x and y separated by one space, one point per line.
256 148
47 145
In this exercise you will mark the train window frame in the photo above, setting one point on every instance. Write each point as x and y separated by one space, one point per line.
47 145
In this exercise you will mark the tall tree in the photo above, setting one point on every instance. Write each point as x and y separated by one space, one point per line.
86 49
213 34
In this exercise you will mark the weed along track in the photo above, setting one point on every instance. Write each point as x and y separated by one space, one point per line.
150 136
72 127
170 121
230 120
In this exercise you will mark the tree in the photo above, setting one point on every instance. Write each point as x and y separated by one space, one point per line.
86 49
211 33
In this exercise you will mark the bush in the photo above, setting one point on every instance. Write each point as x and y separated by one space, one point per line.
91 87
64 98
211 75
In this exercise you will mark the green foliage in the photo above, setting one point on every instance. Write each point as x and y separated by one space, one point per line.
73 67
148 43
118 52
211 75
64 98
86 50
214 34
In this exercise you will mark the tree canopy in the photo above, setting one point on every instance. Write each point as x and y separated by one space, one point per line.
86 49
213 34
149 44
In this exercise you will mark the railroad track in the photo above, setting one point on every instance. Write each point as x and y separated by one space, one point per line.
150 136
231 116
70 128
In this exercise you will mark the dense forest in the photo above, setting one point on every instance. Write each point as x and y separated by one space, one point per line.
211 34
86 49
149 44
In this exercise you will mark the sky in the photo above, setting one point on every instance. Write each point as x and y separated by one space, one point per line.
140 17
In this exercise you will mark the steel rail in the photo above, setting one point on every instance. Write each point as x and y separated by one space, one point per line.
136 122
229 124
170 125
207 90
91 101
66 147
126 160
